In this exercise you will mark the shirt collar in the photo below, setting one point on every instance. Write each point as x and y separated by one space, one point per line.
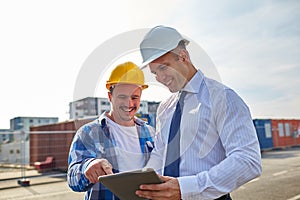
193 86
103 121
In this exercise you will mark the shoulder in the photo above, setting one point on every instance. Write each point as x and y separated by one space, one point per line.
91 128
215 87
224 99
167 103
142 123
220 93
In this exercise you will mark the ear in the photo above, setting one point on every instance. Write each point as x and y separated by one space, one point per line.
109 96
184 55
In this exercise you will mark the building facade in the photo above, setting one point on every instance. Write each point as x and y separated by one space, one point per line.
15 149
24 123
5 136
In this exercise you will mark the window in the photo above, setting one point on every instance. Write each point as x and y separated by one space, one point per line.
280 129
287 129
268 131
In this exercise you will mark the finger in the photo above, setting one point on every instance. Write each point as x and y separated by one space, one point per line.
151 194
94 178
107 168
91 178
154 187
88 177
144 194
165 178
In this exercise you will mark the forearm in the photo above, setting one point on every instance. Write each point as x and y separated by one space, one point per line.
156 163
225 177
76 178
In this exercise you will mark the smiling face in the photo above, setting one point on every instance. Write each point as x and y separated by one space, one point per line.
125 102
171 70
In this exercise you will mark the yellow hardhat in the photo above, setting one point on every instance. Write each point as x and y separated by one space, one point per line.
128 73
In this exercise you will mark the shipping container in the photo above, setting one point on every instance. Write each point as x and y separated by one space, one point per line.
264 133
285 132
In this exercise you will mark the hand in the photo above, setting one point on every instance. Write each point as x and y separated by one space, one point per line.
168 190
96 168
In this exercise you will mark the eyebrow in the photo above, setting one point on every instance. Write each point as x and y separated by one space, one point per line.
135 96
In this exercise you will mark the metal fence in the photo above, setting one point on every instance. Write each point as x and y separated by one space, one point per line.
23 149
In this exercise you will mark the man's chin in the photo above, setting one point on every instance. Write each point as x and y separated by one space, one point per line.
173 90
127 118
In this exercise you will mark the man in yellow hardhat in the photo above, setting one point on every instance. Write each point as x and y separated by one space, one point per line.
116 141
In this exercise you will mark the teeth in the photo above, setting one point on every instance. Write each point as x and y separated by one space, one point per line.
127 110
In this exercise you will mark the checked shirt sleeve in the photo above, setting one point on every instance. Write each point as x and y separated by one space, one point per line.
80 156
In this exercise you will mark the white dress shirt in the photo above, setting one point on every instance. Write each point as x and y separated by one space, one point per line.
219 146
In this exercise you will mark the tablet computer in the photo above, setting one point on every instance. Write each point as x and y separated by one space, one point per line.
124 184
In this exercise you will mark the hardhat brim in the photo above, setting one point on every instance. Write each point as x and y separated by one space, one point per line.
108 85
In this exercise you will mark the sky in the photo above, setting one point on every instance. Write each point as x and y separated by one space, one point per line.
44 46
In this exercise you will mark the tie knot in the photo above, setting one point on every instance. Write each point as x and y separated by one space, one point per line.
181 98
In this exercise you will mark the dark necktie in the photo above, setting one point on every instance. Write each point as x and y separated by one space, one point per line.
173 149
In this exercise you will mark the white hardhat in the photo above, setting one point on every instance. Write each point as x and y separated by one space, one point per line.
159 41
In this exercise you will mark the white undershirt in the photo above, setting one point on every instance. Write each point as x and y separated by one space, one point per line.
128 150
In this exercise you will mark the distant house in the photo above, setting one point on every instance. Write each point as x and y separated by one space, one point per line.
15 146
5 136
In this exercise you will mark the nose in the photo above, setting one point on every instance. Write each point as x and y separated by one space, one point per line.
130 102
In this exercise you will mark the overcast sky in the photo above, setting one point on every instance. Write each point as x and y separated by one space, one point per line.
254 45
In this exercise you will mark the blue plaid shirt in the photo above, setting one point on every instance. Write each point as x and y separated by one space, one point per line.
92 141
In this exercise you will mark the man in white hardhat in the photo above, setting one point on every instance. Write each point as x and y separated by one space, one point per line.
213 148
116 141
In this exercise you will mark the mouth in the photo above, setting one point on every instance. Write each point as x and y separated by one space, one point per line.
126 109
168 83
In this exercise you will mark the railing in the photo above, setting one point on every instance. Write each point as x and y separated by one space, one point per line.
22 149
